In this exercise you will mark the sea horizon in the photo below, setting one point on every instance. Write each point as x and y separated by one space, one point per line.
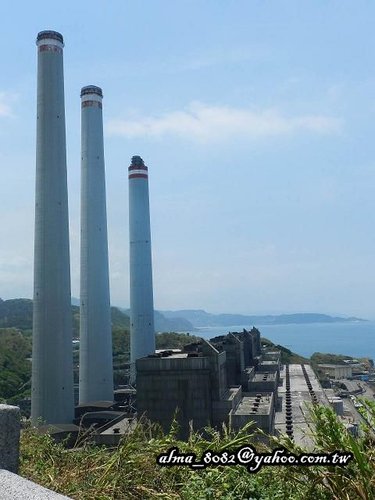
351 338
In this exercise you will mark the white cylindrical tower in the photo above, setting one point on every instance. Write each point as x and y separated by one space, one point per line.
95 365
142 333
52 358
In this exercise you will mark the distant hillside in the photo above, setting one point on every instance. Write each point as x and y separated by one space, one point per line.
18 313
119 318
200 318
164 324
176 324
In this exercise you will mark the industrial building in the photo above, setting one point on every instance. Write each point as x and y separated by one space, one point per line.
299 388
257 408
337 371
209 383
263 382
205 384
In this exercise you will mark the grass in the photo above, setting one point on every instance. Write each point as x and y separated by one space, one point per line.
130 470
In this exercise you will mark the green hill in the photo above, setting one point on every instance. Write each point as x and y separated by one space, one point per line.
15 366
16 313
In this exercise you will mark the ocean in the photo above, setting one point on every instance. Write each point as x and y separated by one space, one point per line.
355 339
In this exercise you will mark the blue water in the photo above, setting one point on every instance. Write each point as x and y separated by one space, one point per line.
355 339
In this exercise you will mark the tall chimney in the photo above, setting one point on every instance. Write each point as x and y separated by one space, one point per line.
142 333
52 358
95 366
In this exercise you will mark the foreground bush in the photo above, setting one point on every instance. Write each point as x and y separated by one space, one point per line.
130 471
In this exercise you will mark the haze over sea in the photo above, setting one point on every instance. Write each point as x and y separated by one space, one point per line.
355 339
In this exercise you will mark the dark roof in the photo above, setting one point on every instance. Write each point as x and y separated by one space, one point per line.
49 34
96 404
103 415
91 89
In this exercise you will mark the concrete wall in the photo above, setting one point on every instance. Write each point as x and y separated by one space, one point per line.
246 377
9 437
263 419
164 385
248 347
260 385
222 408
14 487
271 356
218 373
268 366
234 348
337 371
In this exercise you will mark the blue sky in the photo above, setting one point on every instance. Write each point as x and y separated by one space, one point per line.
256 120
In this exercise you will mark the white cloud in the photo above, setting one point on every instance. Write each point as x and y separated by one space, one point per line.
213 123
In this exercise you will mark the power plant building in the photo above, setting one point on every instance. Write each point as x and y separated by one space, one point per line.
257 408
142 332
193 386
192 382
235 360
52 358
95 366
195 383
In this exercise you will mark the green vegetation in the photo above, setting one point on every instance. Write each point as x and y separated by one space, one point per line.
323 358
130 470
16 313
120 349
171 340
15 367
287 356
15 347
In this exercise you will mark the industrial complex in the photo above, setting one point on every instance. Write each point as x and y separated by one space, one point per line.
231 379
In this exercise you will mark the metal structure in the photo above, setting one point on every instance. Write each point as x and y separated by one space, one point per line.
52 358
95 366
142 332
